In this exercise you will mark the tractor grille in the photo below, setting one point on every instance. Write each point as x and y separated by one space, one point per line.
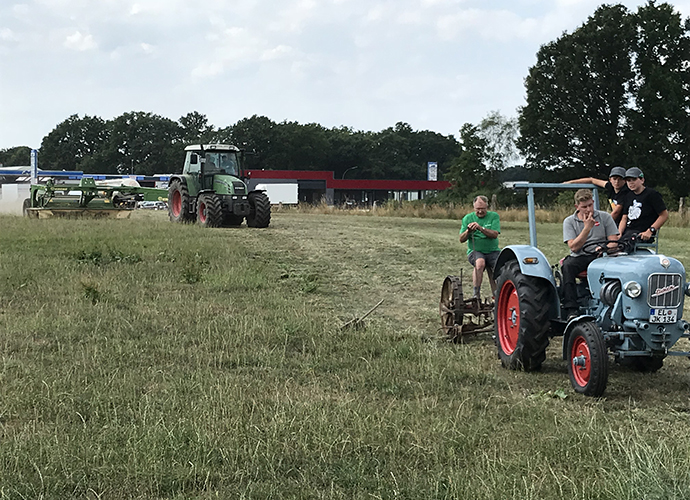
239 187
665 290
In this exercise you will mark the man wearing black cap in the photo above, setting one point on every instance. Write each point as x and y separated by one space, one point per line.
644 211
615 187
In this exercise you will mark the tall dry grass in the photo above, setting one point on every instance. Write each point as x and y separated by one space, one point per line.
455 211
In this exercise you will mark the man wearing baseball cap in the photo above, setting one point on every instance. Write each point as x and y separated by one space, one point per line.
644 211
616 190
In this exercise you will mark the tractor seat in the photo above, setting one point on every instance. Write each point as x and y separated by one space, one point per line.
582 275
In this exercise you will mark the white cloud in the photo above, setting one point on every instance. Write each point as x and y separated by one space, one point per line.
147 48
359 63
80 42
7 35
279 52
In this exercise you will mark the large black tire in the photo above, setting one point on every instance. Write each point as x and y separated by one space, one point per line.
588 362
178 202
522 319
209 212
260 210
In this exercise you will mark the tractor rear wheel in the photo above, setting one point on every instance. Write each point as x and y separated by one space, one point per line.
259 210
522 319
209 212
588 364
178 202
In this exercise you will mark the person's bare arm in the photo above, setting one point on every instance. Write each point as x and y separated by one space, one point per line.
660 221
587 180
623 224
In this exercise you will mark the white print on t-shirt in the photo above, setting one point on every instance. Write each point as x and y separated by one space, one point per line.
635 210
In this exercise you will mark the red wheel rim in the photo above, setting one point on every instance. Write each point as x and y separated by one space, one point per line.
582 362
176 204
508 317
202 212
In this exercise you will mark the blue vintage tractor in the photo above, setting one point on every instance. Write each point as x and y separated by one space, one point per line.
631 307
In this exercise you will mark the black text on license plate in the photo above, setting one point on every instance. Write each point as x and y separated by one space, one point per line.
663 315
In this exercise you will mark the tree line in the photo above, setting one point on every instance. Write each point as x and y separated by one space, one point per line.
146 144
616 91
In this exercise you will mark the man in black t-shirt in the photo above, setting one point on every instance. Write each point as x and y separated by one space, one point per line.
644 211
616 190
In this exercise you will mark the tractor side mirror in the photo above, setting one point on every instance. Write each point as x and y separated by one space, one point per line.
194 159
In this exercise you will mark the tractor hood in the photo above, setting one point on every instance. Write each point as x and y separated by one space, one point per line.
660 278
228 184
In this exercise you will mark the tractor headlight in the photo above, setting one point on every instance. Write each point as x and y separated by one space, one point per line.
632 289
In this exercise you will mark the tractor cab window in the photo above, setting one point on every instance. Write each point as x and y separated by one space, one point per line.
194 164
211 163
228 163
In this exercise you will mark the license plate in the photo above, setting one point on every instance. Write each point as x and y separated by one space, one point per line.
663 315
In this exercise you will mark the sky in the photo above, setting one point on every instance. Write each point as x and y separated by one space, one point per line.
362 64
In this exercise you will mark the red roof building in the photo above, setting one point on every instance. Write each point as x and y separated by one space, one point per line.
315 186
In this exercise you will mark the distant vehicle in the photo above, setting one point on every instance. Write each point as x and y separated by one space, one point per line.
153 205
211 190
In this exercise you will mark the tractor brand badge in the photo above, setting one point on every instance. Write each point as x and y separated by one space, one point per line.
662 291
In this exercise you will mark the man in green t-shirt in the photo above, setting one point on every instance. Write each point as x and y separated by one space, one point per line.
480 229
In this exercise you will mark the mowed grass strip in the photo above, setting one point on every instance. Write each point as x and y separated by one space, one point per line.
144 359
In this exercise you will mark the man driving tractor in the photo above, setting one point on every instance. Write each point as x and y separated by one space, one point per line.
586 224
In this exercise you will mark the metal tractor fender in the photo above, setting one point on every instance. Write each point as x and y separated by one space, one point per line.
533 263
178 177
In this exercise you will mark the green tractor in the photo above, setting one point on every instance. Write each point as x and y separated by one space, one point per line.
211 191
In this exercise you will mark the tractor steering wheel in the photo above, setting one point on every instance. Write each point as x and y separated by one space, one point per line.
600 246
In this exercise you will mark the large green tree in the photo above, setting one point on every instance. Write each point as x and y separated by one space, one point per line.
613 92
74 143
576 96
196 128
469 173
19 156
143 143
658 126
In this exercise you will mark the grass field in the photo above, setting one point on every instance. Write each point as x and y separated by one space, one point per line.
143 359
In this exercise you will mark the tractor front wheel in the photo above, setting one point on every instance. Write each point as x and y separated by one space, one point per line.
522 319
209 211
178 202
260 210
588 362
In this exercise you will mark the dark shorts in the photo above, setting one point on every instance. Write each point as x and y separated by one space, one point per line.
490 258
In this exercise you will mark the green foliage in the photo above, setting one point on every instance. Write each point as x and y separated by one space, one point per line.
613 92
75 144
144 143
469 174
19 156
